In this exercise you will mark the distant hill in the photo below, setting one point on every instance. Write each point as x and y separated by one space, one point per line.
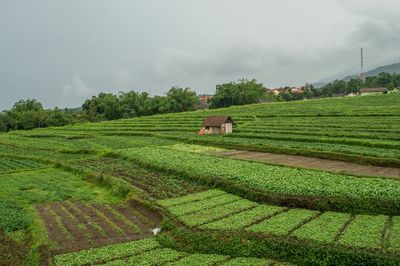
393 68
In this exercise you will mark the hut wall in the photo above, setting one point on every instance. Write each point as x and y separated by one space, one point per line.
227 128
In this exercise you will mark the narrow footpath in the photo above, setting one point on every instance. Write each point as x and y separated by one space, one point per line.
313 163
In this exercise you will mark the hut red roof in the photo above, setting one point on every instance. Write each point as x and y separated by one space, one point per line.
217 120
381 89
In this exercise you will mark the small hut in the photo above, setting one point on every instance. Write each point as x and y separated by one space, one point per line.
220 124
370 91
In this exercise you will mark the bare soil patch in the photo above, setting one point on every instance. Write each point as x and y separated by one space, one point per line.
75 225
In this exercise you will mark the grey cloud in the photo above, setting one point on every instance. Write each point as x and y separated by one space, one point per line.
76 48
78 89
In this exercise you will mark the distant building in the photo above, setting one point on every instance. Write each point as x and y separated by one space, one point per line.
273 91
296 90
203 101
281 90
205 97
220 124
370 91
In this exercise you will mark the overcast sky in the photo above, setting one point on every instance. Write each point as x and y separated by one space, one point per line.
62 52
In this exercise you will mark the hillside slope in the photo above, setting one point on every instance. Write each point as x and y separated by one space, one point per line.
359 129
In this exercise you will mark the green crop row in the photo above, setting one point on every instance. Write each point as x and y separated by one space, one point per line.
149 252
388 144
343 229
324 228
12 164
106 253
364 231
243 219
208 215
351 194
191 197
359 154
284 223
201 205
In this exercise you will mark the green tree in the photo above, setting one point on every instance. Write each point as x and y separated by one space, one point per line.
243 92
103 106
27 114
182 99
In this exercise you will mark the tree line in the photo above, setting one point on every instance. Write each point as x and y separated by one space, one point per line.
29 114
342 87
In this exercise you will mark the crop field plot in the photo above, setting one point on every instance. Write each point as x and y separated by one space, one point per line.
8 164
76 225
334 228
156 184
91 193
369 128
149 252
353 191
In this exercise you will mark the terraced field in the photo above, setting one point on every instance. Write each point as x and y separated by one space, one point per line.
87 193
206 211
364 130
149 252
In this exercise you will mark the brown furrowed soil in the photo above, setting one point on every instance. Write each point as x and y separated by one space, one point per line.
313 163
75 225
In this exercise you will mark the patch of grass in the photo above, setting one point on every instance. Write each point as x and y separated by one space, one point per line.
364 231
324 228
283 223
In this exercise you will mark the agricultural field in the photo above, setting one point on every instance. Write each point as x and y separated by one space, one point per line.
371 232
151 191
149 252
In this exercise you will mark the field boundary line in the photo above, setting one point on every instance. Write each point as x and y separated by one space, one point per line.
226 215
342 229
291 231
210 208
387 234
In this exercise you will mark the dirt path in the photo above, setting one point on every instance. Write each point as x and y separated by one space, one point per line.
313 163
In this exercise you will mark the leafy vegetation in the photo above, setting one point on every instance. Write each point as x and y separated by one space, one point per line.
243 219
18 191
275 179
324 228
94 184
148 252
364 231
283 223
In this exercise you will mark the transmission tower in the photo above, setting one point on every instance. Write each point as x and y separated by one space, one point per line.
362 65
